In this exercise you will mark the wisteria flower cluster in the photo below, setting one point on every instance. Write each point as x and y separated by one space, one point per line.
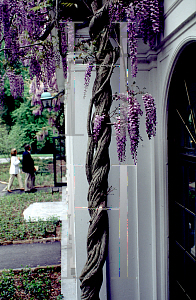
150 109
143 19
133 113
87 77
97 126
120 130
1 86
22 29
16 84
116 11
147 13
129 118
132 38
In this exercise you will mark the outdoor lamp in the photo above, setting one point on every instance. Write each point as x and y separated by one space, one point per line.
47 98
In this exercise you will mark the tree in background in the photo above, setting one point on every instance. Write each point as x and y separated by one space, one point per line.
27 31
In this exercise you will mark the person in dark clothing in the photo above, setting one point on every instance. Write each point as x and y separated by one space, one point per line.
29 169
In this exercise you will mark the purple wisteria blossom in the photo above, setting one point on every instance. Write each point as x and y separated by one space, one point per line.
132 38
97 126
116 11
87 76
150 109
120 130
34 68
134 111
148 19
16 84
120 126
154 15
1 86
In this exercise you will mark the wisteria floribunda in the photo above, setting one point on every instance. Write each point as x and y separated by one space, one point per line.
132 38
87 76
116 11
27 35
26 30
120 131
129 118
133 113
16 84
120 125
97 126
150 109
148 19
1 86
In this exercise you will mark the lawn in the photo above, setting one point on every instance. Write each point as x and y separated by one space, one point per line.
13 227
31 284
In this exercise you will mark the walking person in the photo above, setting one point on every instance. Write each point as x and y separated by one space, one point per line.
14 171
29 169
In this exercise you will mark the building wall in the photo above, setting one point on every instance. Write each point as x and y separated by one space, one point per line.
139 202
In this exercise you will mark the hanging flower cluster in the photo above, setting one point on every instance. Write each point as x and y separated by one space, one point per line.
1 87
87 77
150 115
129 118
116 11
23 31
97 126
133 113
16 84
147 13
120 130
143 20
132 38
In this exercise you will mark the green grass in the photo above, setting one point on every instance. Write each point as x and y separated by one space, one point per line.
12 224
32 284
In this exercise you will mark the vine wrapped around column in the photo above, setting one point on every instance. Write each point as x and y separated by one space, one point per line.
97 160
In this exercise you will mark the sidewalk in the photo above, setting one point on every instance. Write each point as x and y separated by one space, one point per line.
31 255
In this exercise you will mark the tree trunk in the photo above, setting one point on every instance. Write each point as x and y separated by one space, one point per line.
97 160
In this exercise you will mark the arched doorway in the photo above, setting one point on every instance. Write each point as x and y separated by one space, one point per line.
182 176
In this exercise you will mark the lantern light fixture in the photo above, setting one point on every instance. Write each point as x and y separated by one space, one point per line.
47 98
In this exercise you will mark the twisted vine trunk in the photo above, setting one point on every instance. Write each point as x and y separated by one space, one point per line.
97 159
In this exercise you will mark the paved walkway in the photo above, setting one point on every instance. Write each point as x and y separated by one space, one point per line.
31 255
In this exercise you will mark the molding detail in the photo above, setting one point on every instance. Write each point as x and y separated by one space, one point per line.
172 8
179 30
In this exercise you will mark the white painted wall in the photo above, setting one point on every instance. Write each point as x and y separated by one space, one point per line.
144 268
